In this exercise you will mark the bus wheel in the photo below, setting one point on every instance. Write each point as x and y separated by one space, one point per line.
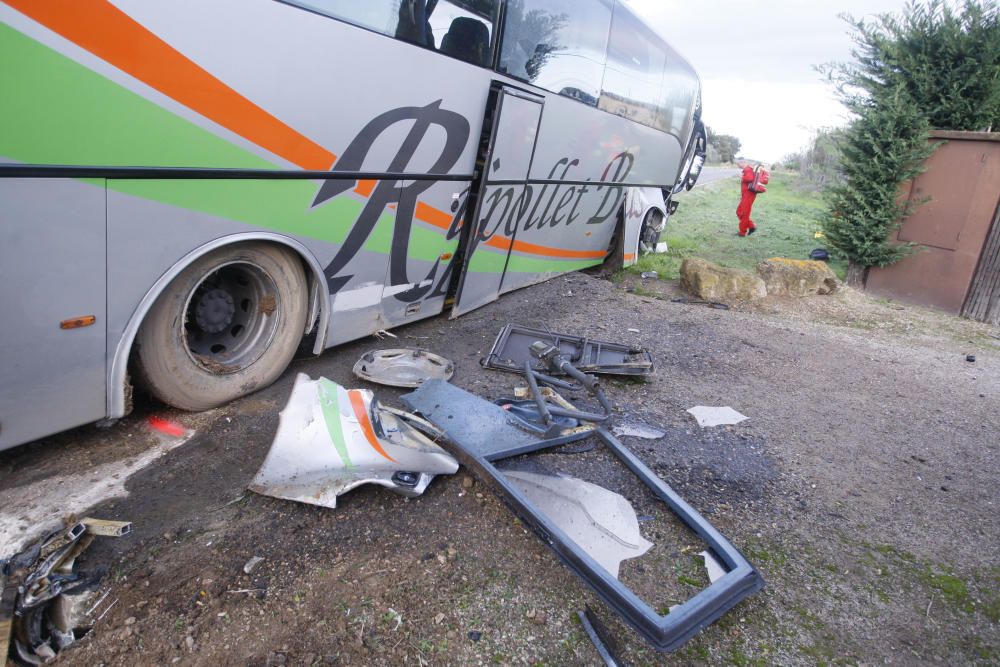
649 234
225 327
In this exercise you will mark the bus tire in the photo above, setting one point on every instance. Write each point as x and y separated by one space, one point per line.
225 327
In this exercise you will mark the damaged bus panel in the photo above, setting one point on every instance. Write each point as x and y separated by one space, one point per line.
331 440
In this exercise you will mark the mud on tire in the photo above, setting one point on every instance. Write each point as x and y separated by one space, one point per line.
228 325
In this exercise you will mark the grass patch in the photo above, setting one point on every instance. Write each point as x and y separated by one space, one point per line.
787 216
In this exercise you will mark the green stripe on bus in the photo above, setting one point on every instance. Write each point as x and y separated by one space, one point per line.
90 120
522 264
56 111
329 400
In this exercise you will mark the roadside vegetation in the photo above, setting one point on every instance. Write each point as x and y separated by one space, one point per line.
788 218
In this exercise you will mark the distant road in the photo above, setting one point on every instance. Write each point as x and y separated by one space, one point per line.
713 174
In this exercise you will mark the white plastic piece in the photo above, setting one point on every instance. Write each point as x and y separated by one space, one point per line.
602 522
709 416
714 567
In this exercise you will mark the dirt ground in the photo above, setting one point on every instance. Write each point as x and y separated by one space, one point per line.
863 487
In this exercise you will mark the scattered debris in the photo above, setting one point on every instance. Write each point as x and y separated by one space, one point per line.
709 416
331 439
638 430
251 564
590 626
382 334
513 348
602 522
714 567
43 597
405 367
699 302
482 434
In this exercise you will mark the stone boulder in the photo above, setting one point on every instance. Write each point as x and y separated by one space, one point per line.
796 277
716 283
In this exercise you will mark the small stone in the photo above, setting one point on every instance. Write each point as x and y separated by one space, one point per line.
475 635
442 559
452 554
189 642
971 358
540 618
468 482
130 620
531 613
439 619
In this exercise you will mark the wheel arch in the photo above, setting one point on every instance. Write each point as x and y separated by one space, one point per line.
639 203
318 317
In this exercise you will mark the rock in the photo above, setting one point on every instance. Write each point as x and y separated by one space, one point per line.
467 482
130 620
796 277
716 283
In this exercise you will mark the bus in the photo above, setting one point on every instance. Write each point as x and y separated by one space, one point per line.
191 190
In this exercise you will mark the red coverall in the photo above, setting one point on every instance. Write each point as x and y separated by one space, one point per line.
746 202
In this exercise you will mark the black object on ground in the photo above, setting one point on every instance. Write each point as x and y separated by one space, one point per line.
820 255
513 348
971 358
700 302
481 434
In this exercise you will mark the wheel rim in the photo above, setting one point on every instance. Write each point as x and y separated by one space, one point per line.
230 318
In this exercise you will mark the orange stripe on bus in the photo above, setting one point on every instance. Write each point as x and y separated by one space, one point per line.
629 257
545 251
433 216
366 188
358 404
112 35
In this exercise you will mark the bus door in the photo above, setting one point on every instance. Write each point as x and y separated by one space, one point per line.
503 197
53 291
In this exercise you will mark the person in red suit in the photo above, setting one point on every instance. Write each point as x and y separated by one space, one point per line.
747 227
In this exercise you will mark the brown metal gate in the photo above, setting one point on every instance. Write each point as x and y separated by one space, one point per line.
957 265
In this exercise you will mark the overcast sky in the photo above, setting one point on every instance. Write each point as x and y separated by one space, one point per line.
755 60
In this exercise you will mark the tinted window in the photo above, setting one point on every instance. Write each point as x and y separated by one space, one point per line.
558 45
645 80
459 28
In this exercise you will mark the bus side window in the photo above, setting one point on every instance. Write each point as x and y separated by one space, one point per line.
462 28
643 81
378 15
458 28
559 45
